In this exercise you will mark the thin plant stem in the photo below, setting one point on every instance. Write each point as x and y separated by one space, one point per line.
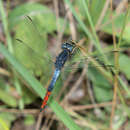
116 57
5 27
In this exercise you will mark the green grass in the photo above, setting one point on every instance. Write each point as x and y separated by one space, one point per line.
46 24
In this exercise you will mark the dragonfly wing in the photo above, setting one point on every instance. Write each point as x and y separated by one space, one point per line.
79 61
31 48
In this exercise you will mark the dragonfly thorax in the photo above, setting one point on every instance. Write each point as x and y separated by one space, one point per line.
69 46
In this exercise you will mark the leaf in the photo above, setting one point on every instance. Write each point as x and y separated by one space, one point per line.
45 18
28 96
102 94
118 24
124 62
5 120
102 88
29 120
7 98
96 7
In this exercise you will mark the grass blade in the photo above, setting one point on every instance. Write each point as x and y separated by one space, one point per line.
5 26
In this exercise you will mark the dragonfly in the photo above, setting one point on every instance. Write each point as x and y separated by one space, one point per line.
68 50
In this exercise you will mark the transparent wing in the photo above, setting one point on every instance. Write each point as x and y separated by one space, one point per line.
46 56
31 47
79 61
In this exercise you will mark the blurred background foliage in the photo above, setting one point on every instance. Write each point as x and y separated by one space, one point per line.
86 93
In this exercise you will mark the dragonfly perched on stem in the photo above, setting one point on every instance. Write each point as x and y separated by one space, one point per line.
68 50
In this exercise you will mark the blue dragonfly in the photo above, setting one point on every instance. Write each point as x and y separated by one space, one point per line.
68 50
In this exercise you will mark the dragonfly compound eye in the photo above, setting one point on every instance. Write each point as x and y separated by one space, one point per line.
68 46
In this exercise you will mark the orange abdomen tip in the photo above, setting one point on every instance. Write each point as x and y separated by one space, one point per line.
44 103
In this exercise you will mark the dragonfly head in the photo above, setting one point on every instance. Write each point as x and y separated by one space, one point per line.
69 46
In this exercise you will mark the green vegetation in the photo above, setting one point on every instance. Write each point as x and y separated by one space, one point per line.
82 98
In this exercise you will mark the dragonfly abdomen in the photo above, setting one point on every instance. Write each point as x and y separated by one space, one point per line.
53 81
60 61
51 86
